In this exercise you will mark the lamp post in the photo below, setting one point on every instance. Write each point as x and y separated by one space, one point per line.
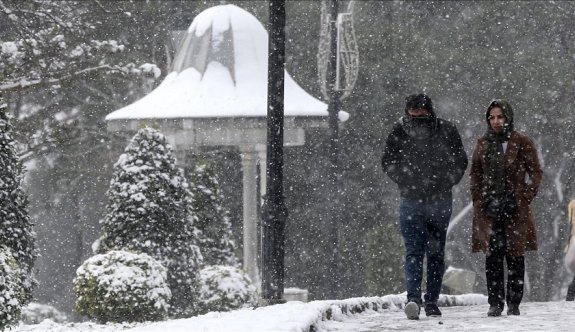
338 64
274 210
333 175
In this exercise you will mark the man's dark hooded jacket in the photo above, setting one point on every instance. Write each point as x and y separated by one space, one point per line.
425 168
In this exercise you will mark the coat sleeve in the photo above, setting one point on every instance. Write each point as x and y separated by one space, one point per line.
391 161
476 175
533 168
459 157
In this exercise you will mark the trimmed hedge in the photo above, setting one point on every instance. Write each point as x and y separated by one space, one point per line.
225 288
35 313
121 286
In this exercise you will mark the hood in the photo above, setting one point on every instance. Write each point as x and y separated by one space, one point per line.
507 111
419 101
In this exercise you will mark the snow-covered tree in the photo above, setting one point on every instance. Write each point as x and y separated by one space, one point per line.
62 68
148 211
122 286
213 219
48 42
64 65
15 227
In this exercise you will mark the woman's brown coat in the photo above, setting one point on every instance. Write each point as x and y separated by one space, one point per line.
522 175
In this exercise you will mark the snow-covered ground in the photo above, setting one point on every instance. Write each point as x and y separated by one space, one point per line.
535 316
290 316
460 313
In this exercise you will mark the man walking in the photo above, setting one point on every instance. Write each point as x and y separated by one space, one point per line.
424 155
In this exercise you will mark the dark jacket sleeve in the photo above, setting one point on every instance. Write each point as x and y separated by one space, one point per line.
391 161
459 156
476 175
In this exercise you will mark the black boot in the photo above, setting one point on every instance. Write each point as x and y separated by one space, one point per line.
494 311
513 310
432 310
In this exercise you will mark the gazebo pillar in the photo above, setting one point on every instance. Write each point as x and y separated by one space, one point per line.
262 157
249 156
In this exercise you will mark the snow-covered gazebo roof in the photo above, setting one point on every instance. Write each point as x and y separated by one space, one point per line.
220 70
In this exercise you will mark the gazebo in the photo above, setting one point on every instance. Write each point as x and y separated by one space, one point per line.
216 95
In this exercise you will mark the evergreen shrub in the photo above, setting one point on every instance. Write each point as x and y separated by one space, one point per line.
148 211
225 288
17 249
211 217
12 291
121 286
35 313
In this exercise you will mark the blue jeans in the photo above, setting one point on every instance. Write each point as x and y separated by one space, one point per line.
424 228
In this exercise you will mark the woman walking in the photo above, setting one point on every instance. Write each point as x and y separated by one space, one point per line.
505 176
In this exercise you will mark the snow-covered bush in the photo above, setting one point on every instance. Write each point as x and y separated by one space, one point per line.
12 294
149 211
212 219
225 288
35 313
121 286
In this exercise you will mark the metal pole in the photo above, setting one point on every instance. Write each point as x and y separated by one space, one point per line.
333 148
274 212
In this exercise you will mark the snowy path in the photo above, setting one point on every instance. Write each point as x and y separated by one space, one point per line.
535 316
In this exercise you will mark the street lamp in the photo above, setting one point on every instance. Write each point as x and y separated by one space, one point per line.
274 211
338 64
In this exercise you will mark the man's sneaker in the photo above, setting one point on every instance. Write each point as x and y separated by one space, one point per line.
412 310
494 311
431 309
513 310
